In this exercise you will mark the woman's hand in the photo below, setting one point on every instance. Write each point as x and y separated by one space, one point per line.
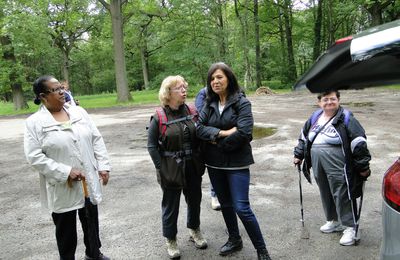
104 176
225 133
365 173
296 161
75 175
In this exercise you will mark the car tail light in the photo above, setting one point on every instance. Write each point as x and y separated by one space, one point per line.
391 185
345 39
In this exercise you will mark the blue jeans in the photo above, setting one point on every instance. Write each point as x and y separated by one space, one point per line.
232 188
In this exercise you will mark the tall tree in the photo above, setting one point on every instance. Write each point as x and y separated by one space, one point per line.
244 33
375 9
317 31
115 10
220 23
69 21
257 44
14 73
287 15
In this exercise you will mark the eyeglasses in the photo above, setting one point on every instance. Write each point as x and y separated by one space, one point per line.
332 99
181 88
59 89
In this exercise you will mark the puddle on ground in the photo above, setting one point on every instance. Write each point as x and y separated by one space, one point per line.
261 132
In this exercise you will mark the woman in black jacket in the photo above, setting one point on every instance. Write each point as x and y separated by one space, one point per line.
226 125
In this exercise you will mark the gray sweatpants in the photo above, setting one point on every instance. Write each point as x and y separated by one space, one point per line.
328 168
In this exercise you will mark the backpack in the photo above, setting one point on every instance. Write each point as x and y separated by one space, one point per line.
163 119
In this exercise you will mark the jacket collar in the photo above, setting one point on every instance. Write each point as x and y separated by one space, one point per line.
48 120
232 99
338 116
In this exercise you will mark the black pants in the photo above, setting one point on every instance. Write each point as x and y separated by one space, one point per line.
171 199
66 234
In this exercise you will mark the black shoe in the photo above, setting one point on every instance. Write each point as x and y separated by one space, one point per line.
262 254
101 257
231 246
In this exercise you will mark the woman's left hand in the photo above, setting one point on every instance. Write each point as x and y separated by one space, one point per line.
365 173
104 175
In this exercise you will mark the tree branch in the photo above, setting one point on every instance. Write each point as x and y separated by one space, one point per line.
105 4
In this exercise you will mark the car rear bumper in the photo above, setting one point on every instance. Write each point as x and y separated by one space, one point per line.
390 248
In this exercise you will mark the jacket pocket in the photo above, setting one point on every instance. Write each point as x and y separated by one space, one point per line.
172 173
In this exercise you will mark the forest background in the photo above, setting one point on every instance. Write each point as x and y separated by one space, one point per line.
119 46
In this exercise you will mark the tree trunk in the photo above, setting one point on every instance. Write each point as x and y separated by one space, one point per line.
123 94
330 26
145 65
375 10
65 65
244 31
222 46
257 43
283 63
18 97
292 74
317 31
16 87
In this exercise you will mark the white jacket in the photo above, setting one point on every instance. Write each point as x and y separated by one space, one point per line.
53 148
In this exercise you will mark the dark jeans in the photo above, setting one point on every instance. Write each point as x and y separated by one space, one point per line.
232 188
66 234
170 204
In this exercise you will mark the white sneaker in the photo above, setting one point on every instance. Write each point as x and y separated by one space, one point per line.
331 226
348 237
215 205
172 249
197 238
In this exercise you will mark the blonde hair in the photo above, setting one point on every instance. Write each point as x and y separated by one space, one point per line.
165 89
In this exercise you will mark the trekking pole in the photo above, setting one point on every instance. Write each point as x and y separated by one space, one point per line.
356 237
304 231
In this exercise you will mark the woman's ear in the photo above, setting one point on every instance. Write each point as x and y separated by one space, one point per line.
42 96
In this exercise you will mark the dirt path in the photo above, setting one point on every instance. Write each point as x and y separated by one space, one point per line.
130 215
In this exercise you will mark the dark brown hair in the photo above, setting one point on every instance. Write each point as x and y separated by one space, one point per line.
323 94
233 85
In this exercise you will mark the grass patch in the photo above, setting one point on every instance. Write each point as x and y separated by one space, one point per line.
90 101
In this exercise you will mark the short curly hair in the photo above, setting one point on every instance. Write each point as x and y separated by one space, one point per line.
164 94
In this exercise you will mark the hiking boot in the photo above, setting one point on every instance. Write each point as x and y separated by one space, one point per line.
172 249
262 254
215 205
331 226
101 257
231 246
197 238
348 237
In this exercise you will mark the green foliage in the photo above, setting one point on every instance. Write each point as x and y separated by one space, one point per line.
177 37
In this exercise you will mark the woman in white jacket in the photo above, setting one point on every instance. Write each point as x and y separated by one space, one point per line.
62 143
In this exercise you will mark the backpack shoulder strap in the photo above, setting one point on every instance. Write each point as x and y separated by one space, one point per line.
162 120
315 116
346 117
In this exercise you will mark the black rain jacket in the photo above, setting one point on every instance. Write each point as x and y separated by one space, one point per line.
234 150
